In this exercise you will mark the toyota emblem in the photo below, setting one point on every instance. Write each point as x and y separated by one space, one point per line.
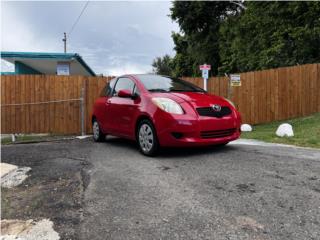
216 108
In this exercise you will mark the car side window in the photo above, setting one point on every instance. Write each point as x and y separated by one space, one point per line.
107 90
123 83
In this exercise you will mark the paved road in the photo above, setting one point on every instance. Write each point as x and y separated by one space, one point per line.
240 191
236 192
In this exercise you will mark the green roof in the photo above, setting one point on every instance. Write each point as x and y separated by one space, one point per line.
48 56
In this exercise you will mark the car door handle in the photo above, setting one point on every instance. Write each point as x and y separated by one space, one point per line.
108 102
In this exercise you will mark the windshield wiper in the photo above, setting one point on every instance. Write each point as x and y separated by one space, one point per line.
157 90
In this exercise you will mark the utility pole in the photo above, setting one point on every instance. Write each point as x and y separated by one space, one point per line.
65 42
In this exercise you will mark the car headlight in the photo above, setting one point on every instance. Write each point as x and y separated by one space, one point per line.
231 103
168 105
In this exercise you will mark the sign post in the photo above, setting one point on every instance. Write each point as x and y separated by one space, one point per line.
205 74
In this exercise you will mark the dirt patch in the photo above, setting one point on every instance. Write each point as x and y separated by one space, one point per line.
54 190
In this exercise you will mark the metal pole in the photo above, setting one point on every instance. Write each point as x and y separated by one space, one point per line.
65 42
205 83
82 110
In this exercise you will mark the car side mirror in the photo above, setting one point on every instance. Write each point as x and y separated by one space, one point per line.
125 93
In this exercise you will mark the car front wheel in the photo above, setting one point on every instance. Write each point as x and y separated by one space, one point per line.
147 138
98 135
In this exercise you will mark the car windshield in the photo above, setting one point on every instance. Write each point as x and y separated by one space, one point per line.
155 83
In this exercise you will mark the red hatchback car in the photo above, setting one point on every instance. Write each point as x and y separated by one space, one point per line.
163 111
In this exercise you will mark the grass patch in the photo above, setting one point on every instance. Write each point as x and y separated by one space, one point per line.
25 138
306 132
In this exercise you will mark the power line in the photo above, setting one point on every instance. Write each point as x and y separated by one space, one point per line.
75 23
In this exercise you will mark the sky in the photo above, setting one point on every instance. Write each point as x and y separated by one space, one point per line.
114 38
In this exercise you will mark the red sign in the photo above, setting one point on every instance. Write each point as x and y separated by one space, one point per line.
205 67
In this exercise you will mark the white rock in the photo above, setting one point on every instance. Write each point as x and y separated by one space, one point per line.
285 130
14 177
28 230
246 128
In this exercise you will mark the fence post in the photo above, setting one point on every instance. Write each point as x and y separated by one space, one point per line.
82 110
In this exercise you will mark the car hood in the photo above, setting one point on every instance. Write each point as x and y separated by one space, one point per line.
196 99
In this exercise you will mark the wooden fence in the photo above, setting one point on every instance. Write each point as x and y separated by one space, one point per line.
271 95
51 104
47 104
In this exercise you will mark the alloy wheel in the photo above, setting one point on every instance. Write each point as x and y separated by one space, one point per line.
146 139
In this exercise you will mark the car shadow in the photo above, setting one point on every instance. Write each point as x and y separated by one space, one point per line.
182 152
172 152
121 142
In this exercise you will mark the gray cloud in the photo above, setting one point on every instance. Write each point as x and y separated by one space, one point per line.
113 37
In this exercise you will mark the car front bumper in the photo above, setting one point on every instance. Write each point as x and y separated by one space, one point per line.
183 130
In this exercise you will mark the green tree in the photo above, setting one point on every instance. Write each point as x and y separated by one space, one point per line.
233 38
269 35
162 65
198 42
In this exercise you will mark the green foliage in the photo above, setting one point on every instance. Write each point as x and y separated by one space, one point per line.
233 39
269 35
162 65
199 22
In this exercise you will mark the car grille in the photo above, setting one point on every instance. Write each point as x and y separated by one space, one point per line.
218 133
209 112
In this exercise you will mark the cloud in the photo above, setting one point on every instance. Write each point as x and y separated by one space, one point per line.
112 37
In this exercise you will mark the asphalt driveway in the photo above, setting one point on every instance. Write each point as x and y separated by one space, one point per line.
239 191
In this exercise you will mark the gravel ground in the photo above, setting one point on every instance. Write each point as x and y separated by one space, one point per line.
239 191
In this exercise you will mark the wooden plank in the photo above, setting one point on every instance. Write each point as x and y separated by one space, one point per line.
67 116
301 75
23 107
51 95
263 91
245 84
251 99
57 87
46 98
4 100
18 121
27 107
258 80
38 114
80 85
63 105
313 79
282 94
268 95
276 93
43 106
12 108
72 105
257 83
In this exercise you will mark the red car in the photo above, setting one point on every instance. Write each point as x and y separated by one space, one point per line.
163 111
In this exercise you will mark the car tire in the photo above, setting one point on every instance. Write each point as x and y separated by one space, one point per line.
147 138
98 135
